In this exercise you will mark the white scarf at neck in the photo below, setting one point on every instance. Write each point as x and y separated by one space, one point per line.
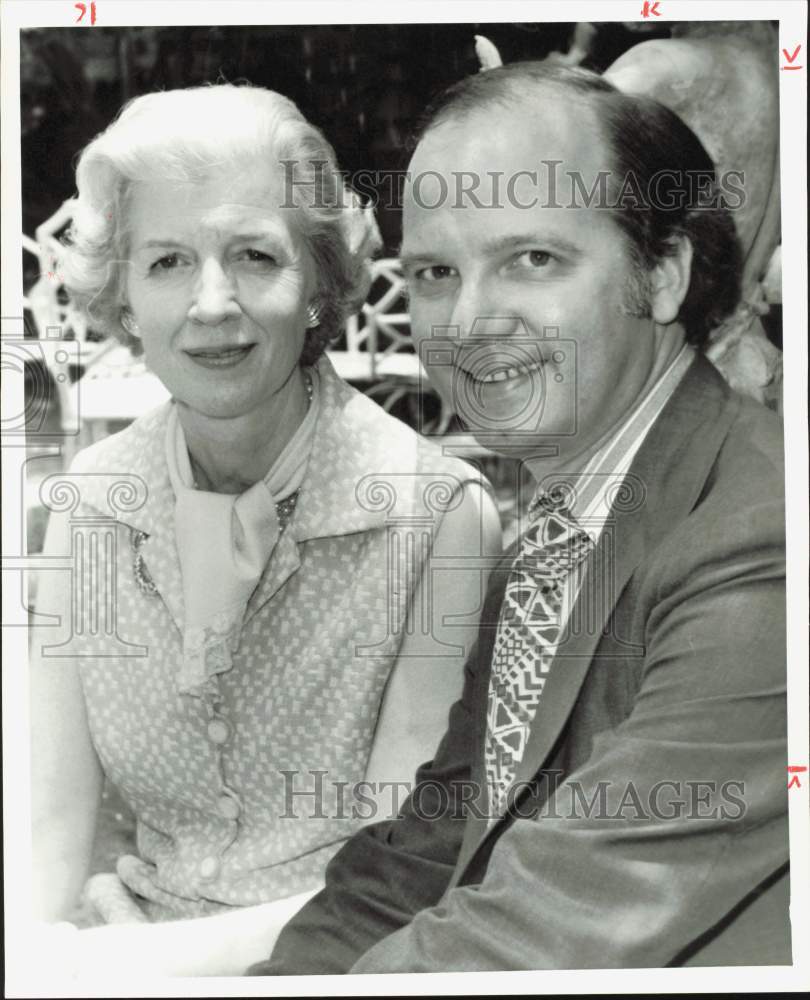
224 543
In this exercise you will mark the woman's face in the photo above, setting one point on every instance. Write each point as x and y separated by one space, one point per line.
219 281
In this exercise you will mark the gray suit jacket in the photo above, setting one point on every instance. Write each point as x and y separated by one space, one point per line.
651 826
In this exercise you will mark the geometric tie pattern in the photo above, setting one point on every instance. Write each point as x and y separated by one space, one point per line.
527 635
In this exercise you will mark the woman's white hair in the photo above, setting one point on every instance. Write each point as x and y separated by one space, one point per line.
180 136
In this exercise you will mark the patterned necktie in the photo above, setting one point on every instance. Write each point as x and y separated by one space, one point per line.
528 633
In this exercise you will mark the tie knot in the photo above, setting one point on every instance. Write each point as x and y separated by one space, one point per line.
556 538
557 499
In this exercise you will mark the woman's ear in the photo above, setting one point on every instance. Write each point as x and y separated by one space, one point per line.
670 281
313 314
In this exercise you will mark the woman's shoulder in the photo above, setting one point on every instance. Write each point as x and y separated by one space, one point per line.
135 446
383 443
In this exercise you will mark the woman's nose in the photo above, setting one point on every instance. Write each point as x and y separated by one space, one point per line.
214 295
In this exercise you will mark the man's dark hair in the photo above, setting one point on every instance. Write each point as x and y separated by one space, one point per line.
650 145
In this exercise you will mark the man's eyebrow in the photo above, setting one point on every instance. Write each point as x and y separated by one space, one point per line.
497 245
549 240
409 259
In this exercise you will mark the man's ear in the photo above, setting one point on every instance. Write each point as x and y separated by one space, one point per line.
670 281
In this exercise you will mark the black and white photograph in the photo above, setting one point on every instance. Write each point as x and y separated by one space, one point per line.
405 498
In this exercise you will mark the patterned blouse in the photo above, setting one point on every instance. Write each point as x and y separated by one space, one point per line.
239 795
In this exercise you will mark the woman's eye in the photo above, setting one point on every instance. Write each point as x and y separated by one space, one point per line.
436 272
171 260
257 256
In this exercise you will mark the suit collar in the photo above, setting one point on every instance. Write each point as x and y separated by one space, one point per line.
666 477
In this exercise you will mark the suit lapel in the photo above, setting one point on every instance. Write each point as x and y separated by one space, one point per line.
476 827
671 468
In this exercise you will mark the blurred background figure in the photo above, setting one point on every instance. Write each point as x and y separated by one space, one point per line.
721 78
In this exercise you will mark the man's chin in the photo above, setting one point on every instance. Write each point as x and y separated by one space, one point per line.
522 445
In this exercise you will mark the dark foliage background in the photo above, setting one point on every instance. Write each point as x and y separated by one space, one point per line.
364 85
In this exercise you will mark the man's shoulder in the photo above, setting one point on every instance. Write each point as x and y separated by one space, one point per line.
720 443
752 455
737 518
715 465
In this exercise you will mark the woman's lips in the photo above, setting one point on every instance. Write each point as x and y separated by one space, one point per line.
220 357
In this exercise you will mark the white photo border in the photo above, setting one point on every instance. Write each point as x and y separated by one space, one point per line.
26 972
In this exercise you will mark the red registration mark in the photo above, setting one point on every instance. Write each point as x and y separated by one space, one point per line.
82 9
794 770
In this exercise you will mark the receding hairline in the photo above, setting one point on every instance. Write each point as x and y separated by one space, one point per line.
512 96
507 86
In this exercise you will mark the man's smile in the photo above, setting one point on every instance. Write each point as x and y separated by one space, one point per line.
506 372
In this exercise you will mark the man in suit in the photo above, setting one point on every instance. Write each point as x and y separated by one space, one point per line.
611 788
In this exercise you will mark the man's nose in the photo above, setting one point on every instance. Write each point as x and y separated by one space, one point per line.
214 298
477 315
471 303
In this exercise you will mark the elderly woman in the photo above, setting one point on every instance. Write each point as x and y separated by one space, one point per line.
273 650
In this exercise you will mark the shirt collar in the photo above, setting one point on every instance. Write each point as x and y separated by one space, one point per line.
601 482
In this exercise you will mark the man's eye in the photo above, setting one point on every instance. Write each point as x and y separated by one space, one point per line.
534 259
436 272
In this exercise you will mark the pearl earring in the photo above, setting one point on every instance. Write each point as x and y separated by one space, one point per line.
313 316
129 324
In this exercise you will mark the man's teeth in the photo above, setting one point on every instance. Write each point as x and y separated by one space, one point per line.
502 374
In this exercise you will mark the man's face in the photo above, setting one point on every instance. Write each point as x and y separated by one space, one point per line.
543 356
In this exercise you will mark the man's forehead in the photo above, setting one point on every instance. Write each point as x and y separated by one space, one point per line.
548 125
515 178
